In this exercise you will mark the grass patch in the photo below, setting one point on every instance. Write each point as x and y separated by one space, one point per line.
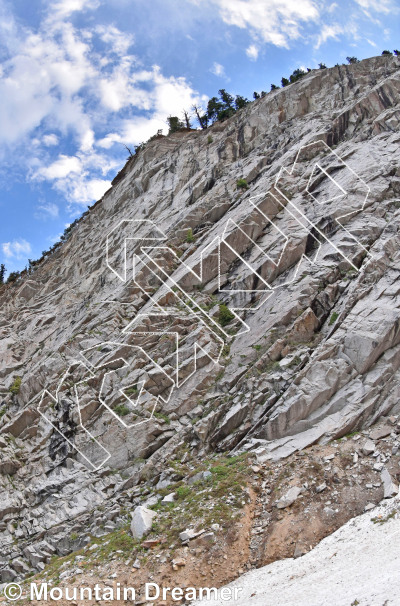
160 415
242 184
380 520
122 410
333 318
225 315
218 498
16 386
189 236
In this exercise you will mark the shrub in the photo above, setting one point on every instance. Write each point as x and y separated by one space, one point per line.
209 139
122 410
321 65
241 102
189 236
285 82
13 276
15 387
387 52
297 74
160 415
174 124
242 184
351 60
396 52
274 87
333 318
225 315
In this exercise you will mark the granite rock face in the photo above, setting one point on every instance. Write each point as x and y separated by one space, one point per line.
304 255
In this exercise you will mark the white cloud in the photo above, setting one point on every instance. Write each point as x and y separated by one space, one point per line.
60 168
252 52
332 7
329 31
18 249
217 69
60 81
379 6
50 140
119 41
64 8
47 210
272 21
83 191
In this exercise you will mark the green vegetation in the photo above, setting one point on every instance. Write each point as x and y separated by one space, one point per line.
295 362
2 273
227 481
333 318
380 520
15 387
225 315
122 410
174 124
160 415
217 498
242 184
13 276
189 236
131 390
219 108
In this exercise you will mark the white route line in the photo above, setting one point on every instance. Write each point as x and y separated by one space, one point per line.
193 308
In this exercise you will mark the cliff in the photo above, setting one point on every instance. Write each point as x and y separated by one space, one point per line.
288 214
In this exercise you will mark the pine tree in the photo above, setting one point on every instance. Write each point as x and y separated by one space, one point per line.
241 102
174 124
351 60
2 273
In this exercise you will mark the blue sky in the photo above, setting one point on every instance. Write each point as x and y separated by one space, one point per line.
80 78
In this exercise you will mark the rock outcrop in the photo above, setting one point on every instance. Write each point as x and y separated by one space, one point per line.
263 315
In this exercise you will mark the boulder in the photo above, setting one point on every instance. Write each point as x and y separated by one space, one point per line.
169 498
142 520
390 489
368 448
381 432
289 498
7 575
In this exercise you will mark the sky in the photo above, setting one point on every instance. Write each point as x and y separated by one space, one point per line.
79 79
